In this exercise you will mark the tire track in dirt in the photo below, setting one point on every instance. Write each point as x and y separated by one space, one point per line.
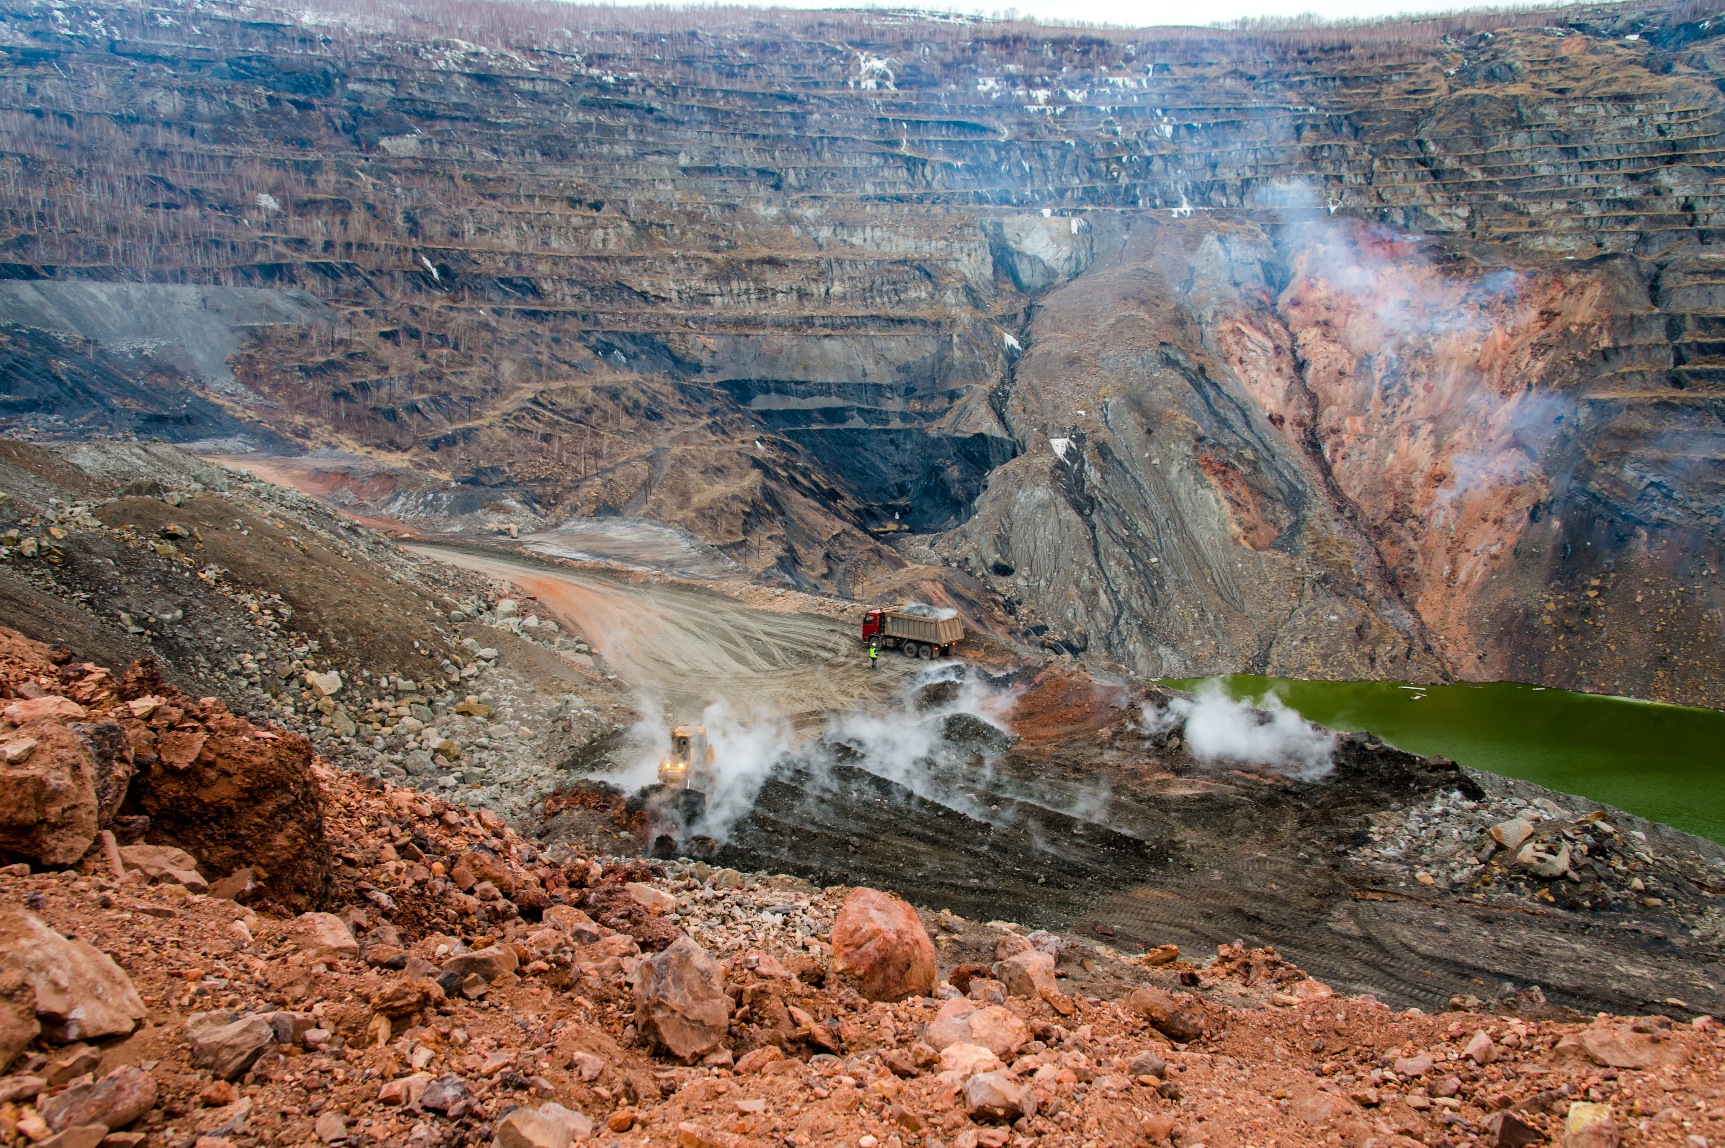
685 647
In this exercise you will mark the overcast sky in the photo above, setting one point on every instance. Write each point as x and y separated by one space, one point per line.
1144 13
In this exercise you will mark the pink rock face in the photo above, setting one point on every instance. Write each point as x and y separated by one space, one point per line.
880 946
680 1000
962 1022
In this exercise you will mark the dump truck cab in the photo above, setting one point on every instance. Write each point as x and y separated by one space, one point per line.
689 760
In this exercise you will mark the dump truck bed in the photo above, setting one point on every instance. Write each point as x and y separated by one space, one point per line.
934 631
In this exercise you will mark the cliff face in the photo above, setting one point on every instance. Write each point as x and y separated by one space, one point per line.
1390 351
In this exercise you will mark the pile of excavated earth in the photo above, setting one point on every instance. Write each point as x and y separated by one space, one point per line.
214 938
393 666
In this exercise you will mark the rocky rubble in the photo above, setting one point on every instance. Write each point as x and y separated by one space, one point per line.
1512 846
457 985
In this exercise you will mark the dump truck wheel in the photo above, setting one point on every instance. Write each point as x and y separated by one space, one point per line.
925 652
909 649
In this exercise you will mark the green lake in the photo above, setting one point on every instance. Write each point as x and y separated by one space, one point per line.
1666 763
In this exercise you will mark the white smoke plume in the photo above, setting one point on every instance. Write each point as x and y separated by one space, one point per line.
1262 732
746 748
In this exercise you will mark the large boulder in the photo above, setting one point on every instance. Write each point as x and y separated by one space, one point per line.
228 793
80 992
52 786
680 1000
881 947
961 1021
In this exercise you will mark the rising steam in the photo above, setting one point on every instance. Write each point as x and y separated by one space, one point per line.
1263 733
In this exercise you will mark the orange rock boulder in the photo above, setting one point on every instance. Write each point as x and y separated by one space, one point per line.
881 947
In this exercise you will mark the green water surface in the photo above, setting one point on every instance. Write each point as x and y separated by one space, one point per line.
1666 763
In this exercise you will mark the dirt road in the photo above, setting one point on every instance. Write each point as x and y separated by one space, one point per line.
684 647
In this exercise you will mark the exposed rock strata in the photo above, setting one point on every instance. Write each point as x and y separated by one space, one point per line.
827 340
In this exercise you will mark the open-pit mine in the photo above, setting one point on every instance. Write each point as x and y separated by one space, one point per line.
588 575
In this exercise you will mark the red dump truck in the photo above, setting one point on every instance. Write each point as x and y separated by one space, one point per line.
920 631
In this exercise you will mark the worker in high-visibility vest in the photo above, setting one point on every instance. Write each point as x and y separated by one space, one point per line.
874 654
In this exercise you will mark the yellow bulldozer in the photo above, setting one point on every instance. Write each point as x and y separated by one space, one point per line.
672 808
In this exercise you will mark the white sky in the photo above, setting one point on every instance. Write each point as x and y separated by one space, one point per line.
1145 13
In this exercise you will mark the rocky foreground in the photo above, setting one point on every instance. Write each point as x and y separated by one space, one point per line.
215 939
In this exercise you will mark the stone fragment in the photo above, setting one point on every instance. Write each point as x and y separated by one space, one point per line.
1543 860
1318 1108
240 885
20 1087
1044 941
447 1094
1590 1126
487 964
879 945
961 1021
1622 1047
1028 973
404 1091
1406 1066
117 1099
588 1067
324 685
1010 945
290 1027
1511 834
324 935
968 1059
1482 1050
1162 955
578 925
548 1126
1159 1126
154 860
1505 1130
80 992
18 1023
38 709
74 1060
1147 1064
330 1127
996 1096
1177 1017
757 1059
82 1136
680 1000
227 1043
653 900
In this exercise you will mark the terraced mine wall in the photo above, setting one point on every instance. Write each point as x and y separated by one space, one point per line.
1391 351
